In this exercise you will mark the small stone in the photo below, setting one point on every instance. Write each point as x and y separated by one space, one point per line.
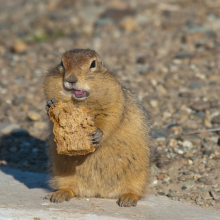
18 100
40 125
200 106
154 170
35 150
216 120
182 178
155 181
176 129
200 114
205 181
187 144
197 176
154 103
215 195
185 94
184 188
128 23
25 145
160 177
183 55
179 150
201 166
171 194
142 69
188 184
26 164
218 142
13 149
191 124
190 162
3 162
188 155
34 116
172 143
207 123
6 128
19 47
214 103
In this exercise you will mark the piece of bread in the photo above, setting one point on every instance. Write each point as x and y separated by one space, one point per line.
71 128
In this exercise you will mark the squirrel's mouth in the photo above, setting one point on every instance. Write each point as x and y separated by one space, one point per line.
79 94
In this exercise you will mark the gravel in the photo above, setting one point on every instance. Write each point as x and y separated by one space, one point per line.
167 53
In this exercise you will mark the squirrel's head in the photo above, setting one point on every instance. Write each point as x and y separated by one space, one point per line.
80 76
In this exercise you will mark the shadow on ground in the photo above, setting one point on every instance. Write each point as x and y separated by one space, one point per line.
19 151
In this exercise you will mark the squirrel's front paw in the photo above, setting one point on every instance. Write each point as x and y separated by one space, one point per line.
50 104
97 137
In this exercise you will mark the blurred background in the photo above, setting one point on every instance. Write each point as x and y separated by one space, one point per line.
166 51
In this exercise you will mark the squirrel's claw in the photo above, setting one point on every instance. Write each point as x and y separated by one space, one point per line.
98 134
50 104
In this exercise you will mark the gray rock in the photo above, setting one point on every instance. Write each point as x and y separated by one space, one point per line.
194 139
18 100
13 149
215 195
205 181
171 194
216 120
142 69
188 184
200 106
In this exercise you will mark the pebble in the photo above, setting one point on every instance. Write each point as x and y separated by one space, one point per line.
171 194
215 195
200 106
216 120
18 100
128 23
34 116
13 149
187 144
6 128
142 69
154 170
188 184
19 47
160 177
172 143
194 139
40 125
205 181
197 176
154 103
35 150
191 124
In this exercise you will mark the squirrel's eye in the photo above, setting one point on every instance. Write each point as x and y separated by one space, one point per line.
93 64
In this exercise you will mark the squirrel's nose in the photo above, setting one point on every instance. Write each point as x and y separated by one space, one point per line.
71 79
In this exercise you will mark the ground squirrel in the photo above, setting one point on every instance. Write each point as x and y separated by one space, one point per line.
119 168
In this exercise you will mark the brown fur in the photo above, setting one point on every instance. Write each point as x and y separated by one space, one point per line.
119 168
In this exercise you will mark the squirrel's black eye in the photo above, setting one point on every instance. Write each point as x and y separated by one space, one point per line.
93 64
